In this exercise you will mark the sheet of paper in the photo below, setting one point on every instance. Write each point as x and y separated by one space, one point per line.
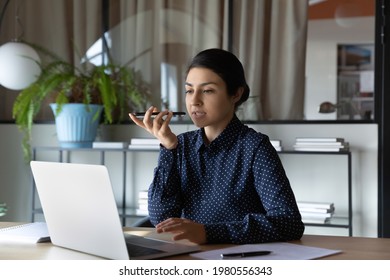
31 232
279 251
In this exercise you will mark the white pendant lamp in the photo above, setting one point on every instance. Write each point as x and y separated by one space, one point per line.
19 62
19 65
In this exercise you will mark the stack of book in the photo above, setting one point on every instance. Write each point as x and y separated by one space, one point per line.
316 212
277 144
109 145
142 209
144 144
321 144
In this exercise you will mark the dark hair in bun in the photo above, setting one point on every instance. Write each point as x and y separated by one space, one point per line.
227 66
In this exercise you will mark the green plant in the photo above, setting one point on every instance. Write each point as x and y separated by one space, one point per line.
119 89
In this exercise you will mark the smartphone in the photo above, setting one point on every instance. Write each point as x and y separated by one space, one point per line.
141 114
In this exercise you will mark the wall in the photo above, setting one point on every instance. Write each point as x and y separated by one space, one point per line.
15 186
321 58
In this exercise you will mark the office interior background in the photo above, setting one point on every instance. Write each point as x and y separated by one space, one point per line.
57 24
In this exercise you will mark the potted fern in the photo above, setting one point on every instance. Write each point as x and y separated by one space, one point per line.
110 89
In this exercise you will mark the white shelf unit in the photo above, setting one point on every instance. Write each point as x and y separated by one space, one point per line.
322 177
122 183
129 211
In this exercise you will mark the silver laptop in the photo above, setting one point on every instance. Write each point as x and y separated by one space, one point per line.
81 214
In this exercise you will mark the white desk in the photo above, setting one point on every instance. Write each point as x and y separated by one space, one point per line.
353 248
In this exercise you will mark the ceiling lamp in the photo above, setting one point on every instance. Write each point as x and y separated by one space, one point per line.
19 62
19 65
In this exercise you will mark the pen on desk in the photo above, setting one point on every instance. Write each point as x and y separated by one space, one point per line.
245 254
141 114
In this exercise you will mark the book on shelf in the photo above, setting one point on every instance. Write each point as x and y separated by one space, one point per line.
321 144
315 205
141 212
144 147
142 206
109 145
31 233
143 194
316 212
315 220
144 144
142 209
314 215
277 144
144 141
319 139
321 149
142 203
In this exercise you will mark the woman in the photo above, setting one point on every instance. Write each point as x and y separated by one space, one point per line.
222 183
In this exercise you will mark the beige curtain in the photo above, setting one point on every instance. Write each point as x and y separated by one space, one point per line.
270 39
158 38
65 27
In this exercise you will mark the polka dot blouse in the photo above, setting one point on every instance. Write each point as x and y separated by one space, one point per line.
236 187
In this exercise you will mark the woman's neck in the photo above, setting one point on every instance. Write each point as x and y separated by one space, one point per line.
210 133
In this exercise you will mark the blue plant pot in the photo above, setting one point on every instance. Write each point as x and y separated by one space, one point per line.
77 124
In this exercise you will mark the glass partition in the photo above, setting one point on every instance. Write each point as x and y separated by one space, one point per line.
340 61
298 55
160 37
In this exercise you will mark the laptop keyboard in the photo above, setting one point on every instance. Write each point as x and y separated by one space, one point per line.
138 251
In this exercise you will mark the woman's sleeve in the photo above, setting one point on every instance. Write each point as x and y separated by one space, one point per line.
164 195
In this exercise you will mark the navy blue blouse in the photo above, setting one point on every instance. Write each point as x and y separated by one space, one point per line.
236 187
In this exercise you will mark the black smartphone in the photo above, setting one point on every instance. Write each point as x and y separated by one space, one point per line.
141 114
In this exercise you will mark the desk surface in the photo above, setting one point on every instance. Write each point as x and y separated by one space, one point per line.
353 248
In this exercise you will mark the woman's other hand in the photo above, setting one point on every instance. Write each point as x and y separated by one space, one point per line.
183 229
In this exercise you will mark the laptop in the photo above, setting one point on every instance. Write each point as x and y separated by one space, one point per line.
81 214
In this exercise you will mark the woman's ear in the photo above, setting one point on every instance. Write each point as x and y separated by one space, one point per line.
239 93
